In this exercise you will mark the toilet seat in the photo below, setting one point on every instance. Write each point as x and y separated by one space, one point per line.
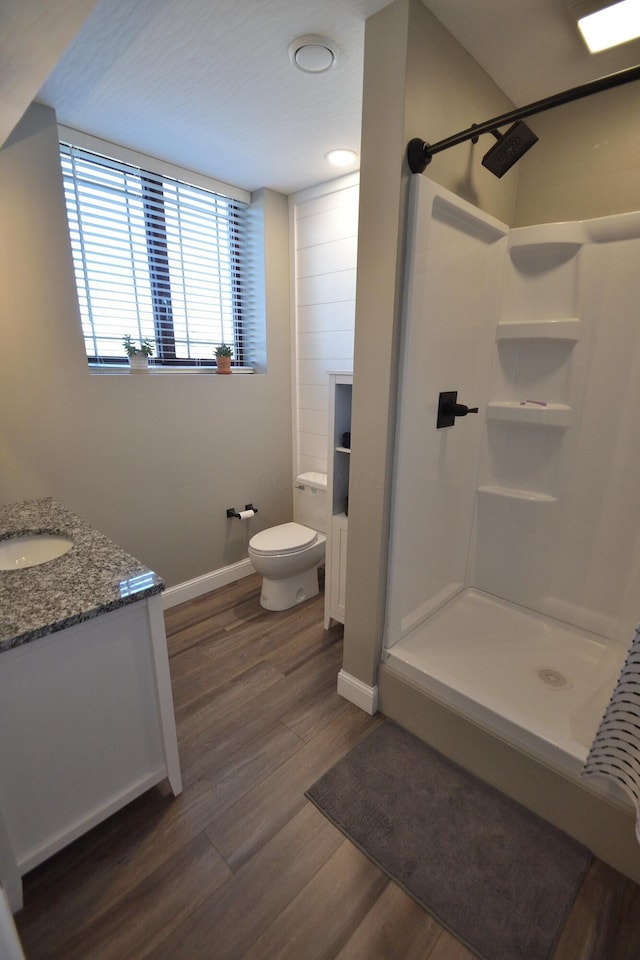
283 539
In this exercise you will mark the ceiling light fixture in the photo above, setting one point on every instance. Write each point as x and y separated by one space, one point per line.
341 158
611 26
313 54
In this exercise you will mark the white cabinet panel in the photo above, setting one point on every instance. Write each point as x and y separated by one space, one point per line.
340 391
87 724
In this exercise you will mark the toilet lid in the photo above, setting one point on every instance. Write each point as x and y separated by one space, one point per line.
286 538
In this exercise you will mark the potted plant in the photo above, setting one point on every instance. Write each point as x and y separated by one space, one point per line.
138 356
223 358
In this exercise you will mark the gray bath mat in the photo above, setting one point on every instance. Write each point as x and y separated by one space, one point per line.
496 876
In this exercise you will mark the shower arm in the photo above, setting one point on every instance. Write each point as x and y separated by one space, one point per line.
420 153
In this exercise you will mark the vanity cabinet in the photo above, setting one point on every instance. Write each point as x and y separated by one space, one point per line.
87 725
86 710
338 459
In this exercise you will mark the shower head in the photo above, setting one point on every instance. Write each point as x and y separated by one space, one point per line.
508 148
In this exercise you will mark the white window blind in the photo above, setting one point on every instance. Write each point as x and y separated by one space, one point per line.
157 259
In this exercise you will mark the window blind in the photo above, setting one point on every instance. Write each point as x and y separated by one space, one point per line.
157 259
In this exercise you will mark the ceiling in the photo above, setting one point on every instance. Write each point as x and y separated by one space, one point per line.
210 86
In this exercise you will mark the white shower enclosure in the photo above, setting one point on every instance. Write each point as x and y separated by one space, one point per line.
514 583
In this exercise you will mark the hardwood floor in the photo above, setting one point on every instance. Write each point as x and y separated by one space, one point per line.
241 866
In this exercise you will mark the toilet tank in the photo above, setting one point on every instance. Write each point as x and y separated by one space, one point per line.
310 505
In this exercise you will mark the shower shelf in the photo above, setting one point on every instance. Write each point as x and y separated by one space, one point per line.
343 450
515 493
568 329
511 411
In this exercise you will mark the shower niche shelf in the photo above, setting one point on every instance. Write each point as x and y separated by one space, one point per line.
515 493
568 329
527 413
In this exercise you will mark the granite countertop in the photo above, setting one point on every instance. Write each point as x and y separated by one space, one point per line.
93 578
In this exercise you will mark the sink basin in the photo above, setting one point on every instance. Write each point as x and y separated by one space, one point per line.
30 550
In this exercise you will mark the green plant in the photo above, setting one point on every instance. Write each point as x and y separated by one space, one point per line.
224 351
145 348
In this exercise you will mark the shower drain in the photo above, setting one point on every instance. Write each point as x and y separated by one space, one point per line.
553 678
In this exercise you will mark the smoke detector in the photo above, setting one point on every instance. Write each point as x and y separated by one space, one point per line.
313 54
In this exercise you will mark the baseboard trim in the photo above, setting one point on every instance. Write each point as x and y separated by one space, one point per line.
357 692
191 589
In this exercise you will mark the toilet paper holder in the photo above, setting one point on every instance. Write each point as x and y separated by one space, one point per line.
232 512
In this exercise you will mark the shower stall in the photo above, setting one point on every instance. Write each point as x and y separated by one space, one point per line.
514 563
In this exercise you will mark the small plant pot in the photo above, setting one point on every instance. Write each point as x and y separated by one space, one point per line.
138 363
223 364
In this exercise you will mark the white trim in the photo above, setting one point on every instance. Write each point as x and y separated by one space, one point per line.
293 327
160 660
117 152
10 879
357 692
191 589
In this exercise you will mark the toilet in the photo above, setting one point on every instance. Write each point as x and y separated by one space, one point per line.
288 555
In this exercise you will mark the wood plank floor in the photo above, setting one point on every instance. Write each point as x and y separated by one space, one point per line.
241 866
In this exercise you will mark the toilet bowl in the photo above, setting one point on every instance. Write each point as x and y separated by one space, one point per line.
287 556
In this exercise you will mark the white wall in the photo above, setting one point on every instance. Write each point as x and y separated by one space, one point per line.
557 516
324 238
558 522
456 255
418 81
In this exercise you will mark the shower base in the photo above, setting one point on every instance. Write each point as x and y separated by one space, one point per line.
535 682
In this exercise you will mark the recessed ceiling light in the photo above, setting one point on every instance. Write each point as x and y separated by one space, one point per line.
341 158
313 54
612 26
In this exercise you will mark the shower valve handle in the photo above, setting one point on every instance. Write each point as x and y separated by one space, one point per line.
449 409
459 409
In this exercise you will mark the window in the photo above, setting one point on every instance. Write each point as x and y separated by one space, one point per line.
154 258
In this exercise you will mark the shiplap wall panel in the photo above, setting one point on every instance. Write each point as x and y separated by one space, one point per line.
312 421
326 258
322 220
314 371
333 287
313 398
317 317
325 344
326 230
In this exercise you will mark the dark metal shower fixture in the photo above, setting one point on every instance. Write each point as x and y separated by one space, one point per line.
509 147
449 409
420 153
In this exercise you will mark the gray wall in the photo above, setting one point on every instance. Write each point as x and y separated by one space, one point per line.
587 160
152 461
419 82
33 37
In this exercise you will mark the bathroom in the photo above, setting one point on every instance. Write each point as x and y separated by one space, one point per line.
69 446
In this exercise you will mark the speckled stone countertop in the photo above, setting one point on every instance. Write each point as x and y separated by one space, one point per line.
93 578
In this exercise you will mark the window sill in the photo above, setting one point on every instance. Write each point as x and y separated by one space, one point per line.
105 370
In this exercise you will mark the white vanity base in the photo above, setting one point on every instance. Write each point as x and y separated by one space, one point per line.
87 725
